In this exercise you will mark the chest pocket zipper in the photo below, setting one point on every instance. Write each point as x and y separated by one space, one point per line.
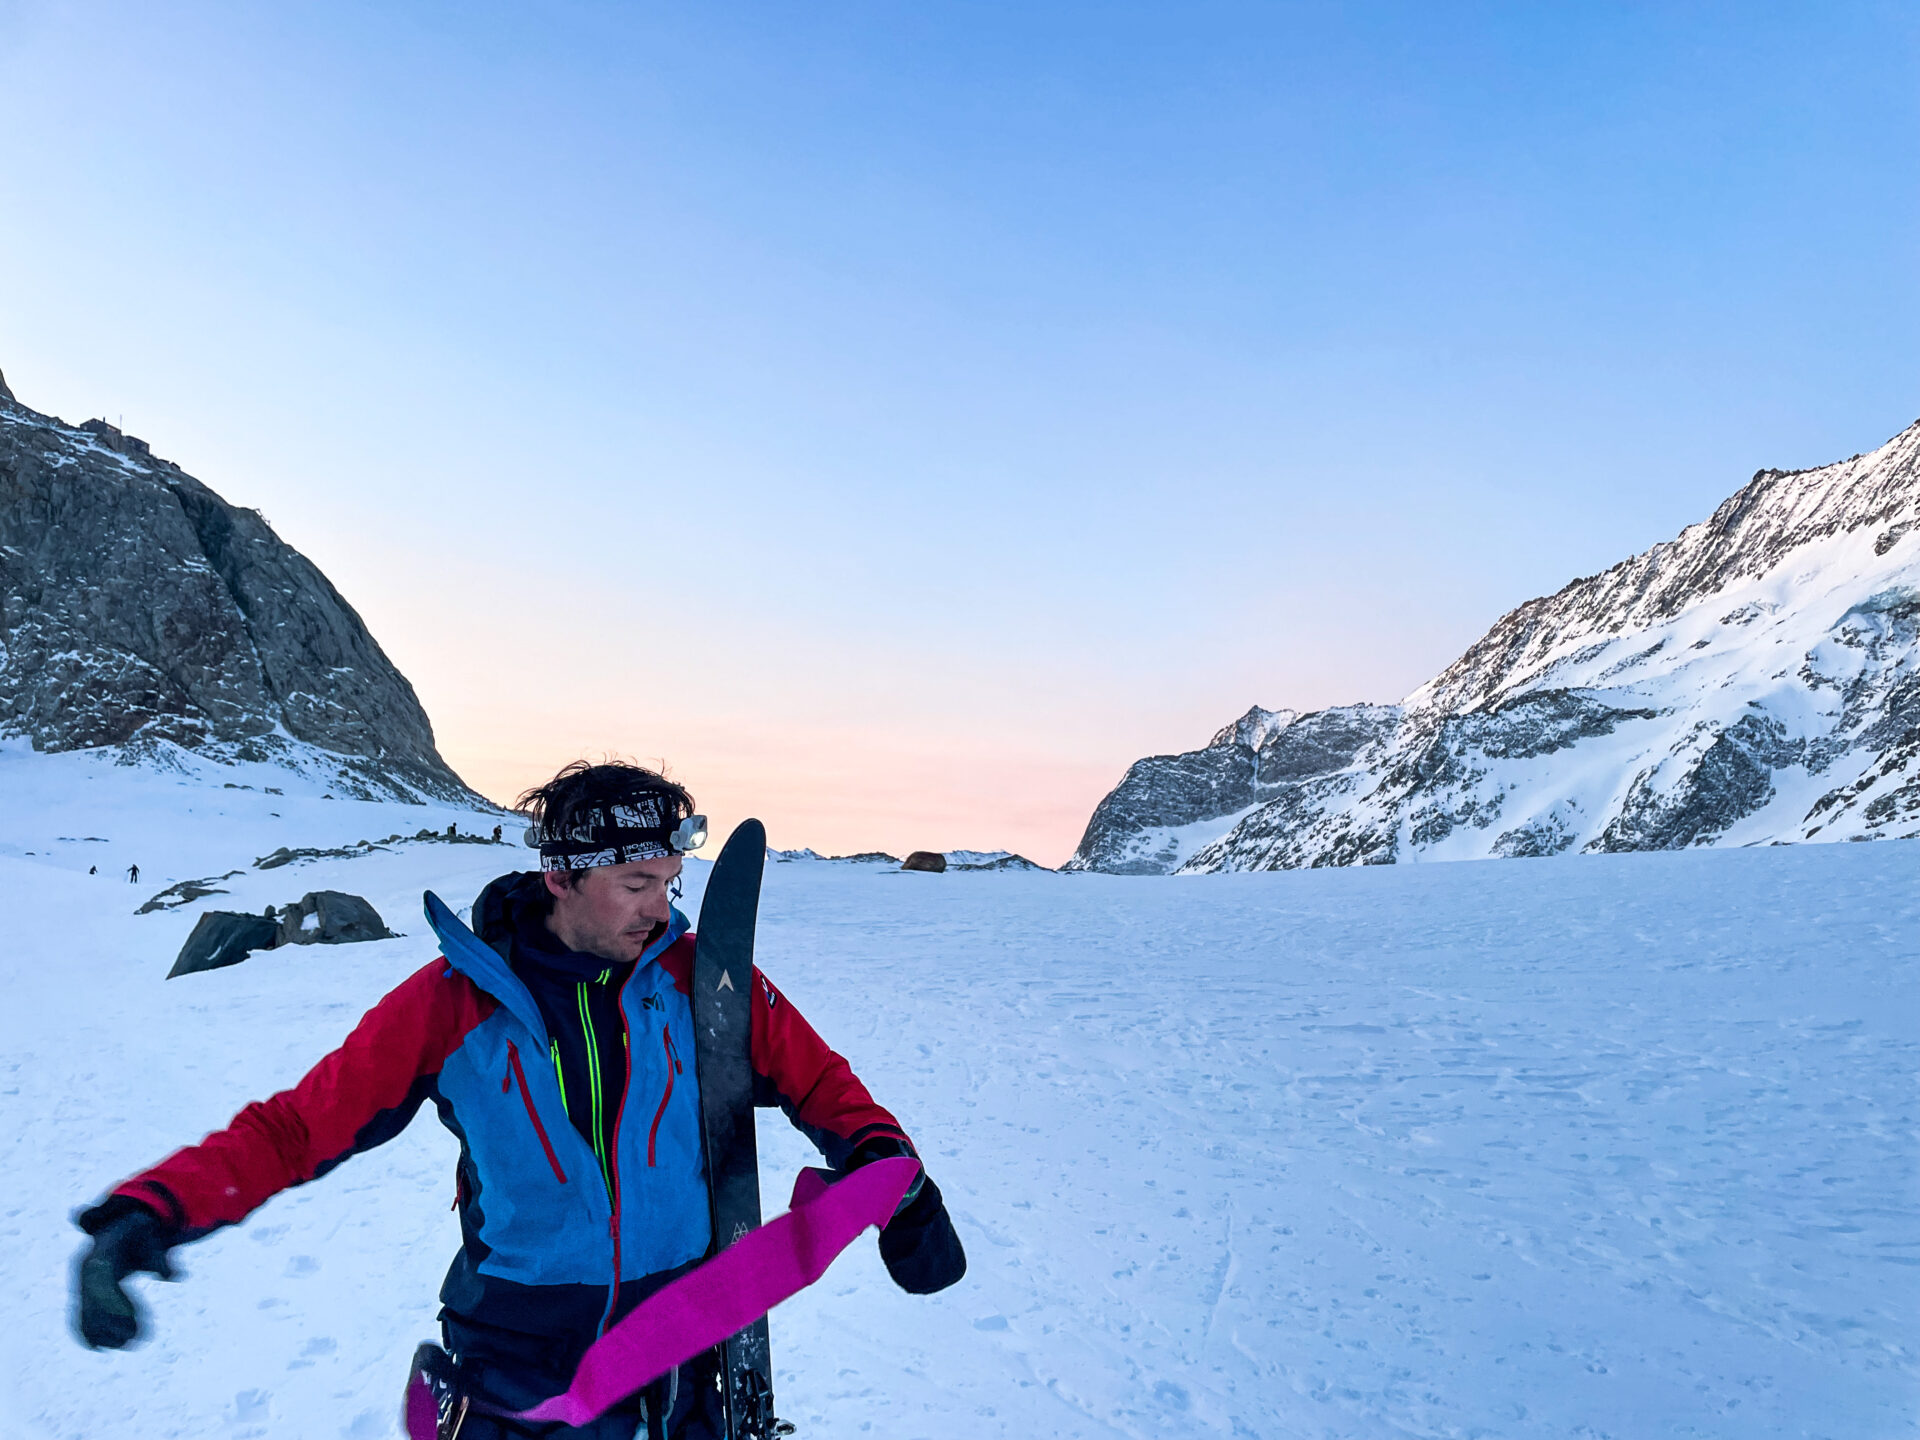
519 1075
673 1069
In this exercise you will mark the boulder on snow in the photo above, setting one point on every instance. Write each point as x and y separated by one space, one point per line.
330 917
224 938
931 861
321 917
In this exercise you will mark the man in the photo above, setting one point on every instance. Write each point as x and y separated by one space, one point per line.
555 1038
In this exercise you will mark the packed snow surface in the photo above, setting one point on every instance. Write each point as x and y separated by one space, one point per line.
1603 1146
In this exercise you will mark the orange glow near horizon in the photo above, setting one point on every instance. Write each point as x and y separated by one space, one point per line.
840 743
842 793
841 738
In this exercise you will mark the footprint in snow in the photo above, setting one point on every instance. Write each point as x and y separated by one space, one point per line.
251 1407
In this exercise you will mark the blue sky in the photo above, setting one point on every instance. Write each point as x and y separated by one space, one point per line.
901 417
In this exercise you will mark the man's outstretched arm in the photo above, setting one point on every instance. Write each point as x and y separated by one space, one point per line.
361 1095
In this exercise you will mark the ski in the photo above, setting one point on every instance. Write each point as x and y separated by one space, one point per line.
723 1061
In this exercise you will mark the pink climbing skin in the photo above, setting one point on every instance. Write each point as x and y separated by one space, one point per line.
423 1420
724 1295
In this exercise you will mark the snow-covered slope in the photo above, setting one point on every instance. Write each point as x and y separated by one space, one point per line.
1616 1146
1753 681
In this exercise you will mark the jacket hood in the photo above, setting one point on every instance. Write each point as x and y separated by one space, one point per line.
509 903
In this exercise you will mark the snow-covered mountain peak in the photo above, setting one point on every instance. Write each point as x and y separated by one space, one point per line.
1254 728
1778 541
1755 679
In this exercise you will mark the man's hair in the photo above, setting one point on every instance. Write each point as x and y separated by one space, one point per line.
580 790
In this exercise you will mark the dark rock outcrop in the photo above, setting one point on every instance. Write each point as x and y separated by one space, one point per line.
320 917
186 892
138 609
330 917
1005 862
1167 806
931 861
807 854
221 938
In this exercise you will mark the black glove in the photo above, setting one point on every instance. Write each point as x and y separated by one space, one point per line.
919 1244
127 1236
920 1247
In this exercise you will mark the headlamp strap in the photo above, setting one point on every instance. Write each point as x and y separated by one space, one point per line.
611 835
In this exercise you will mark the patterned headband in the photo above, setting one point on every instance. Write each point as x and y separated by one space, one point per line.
646 829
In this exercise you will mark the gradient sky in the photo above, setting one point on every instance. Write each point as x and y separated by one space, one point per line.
901 417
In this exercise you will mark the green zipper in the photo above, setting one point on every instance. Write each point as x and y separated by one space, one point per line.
593 1079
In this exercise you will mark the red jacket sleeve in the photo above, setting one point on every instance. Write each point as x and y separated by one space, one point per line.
794 1069
361 1095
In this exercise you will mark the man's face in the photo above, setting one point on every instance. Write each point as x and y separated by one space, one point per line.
611 911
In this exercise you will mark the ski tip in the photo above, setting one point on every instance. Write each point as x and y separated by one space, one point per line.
749 834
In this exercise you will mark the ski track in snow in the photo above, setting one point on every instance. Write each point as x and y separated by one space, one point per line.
1602 1146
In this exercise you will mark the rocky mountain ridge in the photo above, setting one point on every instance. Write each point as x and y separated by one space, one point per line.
1754 680
140 611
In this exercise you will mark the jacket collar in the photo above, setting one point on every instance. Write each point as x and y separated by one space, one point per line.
488 967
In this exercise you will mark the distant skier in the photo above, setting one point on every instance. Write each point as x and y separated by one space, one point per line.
575 1204
133 874
496 834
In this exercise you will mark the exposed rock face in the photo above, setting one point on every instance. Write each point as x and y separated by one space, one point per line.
330 917
1755 680
138 608
1005 862
865 857
186 892
931 861
1168 806
221 938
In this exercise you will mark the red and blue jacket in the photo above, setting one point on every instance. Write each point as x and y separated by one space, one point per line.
554 1245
